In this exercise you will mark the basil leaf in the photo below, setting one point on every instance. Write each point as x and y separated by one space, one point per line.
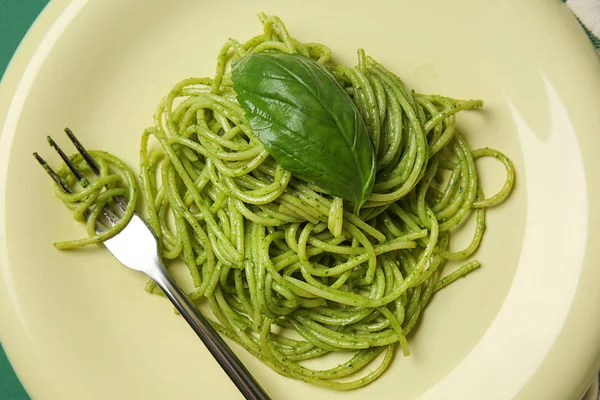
307 122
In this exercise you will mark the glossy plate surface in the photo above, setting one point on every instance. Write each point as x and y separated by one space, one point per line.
78 325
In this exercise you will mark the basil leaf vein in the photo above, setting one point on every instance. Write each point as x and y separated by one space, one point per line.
308 123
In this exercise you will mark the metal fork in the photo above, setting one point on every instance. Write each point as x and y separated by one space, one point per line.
136 248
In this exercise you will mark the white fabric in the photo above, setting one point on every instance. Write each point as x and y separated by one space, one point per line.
588 12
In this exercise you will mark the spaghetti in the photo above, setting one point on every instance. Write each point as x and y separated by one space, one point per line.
289 273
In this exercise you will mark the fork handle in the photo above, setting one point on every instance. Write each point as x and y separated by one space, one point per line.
232 366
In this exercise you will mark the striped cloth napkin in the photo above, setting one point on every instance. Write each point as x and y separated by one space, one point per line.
588 14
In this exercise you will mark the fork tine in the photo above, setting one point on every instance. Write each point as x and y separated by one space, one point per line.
111 216
119 200
121 203
82 179
86 156
59 181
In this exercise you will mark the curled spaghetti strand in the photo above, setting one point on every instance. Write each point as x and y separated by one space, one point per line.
274 254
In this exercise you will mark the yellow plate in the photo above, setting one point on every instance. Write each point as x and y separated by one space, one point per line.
77 325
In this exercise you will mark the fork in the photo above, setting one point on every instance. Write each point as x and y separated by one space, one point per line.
136 247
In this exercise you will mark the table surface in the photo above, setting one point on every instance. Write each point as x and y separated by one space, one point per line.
16 16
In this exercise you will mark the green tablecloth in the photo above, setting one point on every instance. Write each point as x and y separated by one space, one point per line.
16 16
